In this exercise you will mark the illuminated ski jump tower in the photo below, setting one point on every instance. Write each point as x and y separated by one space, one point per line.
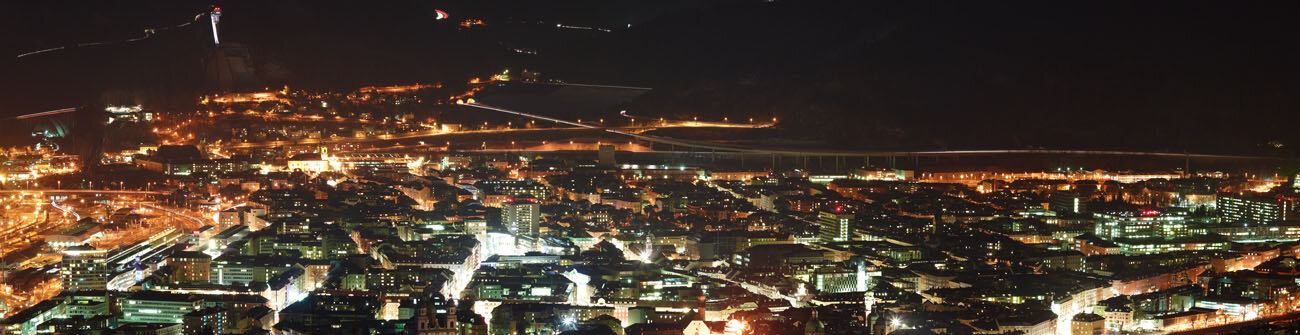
215 17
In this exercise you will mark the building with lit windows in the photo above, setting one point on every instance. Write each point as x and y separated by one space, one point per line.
882 174
1235 307
84 268
1244 232
76 235
1142 225
515 187
1149 246
28 320
856 277
521 216
1087 324
211 320
1258 209
309 163
836 226
1068 202
158 307
229 269
1091 245
374 162
190 266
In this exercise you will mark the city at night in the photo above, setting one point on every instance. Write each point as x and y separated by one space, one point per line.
650 167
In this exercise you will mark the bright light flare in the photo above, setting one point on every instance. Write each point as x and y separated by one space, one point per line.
736 326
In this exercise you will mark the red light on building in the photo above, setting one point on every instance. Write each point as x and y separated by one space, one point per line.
839 209
1150 212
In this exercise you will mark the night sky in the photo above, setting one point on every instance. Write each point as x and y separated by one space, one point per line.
1156 75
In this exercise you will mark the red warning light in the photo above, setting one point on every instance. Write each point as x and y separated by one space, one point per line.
839 209
1150 212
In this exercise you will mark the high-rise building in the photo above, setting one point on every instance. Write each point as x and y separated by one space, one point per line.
1068 202
835 225
84 268
1257 209
521 216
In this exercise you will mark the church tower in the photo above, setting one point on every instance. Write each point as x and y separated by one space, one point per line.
697 326
437 317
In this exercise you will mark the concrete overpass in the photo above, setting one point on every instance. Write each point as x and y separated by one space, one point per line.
81 191
727 148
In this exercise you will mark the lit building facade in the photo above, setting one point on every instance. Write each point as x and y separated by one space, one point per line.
1141 225
521 217
84 268
1236 208
1068 202
835 226
191 266
158 307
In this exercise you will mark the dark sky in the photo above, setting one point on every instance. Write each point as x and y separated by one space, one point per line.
1160 75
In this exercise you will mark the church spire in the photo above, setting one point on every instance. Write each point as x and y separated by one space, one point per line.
451 314
700 314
